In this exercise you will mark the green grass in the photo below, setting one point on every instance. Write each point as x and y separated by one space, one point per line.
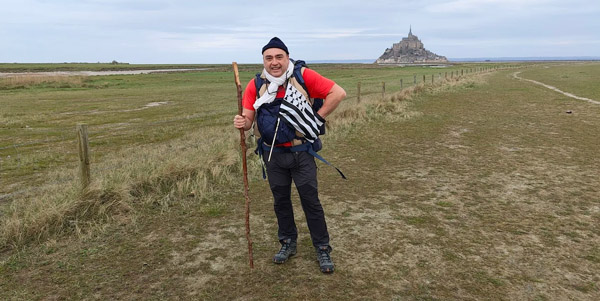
575 78
478 189
45 67
38 120
134 145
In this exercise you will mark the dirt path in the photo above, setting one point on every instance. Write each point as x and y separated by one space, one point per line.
516 75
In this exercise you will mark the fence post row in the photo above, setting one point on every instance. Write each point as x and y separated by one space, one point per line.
84 155
82 128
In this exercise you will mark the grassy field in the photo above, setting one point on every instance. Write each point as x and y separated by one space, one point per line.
576 78
40 114
134 123
483 188
33 67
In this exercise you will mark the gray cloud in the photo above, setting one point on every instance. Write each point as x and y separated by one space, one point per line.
183 31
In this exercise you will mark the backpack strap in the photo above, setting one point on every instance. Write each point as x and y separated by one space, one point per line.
300 84
261 87
299 67
260 84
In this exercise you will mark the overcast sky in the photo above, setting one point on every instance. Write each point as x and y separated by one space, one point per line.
196 31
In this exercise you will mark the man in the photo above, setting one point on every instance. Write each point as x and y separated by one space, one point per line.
281 137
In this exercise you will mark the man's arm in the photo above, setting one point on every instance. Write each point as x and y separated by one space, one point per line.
333 99
245 120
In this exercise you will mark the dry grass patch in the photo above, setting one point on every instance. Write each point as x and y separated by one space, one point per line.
49 81
191 168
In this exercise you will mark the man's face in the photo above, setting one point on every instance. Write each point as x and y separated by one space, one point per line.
276 61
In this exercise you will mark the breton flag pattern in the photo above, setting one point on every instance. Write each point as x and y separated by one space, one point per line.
296 110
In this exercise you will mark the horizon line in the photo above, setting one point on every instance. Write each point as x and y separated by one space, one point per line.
459 59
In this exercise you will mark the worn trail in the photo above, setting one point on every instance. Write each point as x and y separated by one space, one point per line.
516 75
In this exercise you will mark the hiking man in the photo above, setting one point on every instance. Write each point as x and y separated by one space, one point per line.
289 122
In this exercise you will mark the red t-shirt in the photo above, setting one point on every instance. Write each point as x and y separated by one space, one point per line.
317 86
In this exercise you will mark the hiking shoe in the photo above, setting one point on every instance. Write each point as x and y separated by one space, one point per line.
288 249
324 259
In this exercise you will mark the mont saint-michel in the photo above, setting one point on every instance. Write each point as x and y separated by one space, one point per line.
409 51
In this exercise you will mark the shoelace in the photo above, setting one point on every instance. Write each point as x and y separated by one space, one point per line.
284 248
324 256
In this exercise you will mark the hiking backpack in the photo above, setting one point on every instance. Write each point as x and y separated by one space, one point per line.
267 118
266 115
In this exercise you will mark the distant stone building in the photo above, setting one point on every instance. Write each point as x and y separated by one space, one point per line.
409 51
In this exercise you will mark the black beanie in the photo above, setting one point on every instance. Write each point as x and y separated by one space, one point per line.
275 43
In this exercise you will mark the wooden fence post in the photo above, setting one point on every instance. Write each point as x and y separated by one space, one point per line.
461 72
358 92
84 155
382 89
432 79
400 84
414 79
423 78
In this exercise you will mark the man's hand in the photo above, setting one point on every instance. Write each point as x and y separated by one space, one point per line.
239 121
333 99
244 121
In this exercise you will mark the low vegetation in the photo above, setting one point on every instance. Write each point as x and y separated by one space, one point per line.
478 188
27 82
570 77
122 174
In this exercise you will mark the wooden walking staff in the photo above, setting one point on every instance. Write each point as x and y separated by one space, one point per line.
245 167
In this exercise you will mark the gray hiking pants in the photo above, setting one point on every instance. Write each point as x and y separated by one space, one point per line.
300 167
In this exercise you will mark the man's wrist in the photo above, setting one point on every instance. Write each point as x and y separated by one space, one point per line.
321 118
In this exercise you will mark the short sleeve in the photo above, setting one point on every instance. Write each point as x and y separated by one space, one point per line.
317 85
249 97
